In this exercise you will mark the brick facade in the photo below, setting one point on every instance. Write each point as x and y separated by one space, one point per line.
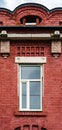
50 117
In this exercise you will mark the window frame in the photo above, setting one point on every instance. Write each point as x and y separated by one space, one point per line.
27 81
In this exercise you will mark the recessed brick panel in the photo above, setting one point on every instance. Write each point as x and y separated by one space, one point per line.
56 47
5 46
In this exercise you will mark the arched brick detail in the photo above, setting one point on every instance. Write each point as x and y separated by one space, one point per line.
55 17
7 17
49 17
31 10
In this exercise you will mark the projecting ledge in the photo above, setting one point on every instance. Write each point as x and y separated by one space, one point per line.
32 36
29 36
30 114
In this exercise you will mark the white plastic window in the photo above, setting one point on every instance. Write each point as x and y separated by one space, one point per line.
30 90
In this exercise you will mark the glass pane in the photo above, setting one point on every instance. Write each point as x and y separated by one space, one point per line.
34 102
35 88
23 101
30 72
23 88
24 95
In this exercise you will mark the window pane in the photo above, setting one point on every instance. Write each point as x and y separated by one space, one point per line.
30 72
23 88
24 95
23 101
34 102
35 95
35 88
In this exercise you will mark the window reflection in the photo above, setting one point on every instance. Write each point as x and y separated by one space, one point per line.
30 72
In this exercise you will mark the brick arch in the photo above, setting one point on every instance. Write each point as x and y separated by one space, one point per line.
5 12
31 10
6 17
55 12
55 17
49 17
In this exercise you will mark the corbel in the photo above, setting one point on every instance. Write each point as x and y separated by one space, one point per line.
5 48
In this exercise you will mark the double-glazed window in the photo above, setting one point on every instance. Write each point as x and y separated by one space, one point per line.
30 90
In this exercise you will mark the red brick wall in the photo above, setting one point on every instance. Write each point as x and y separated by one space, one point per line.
50 118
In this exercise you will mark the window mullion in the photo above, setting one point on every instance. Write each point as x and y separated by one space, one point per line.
28 95
41 86
20 96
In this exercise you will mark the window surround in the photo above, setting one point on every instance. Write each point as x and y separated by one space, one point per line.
33 61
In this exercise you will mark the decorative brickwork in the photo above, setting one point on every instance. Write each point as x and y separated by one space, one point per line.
30 51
